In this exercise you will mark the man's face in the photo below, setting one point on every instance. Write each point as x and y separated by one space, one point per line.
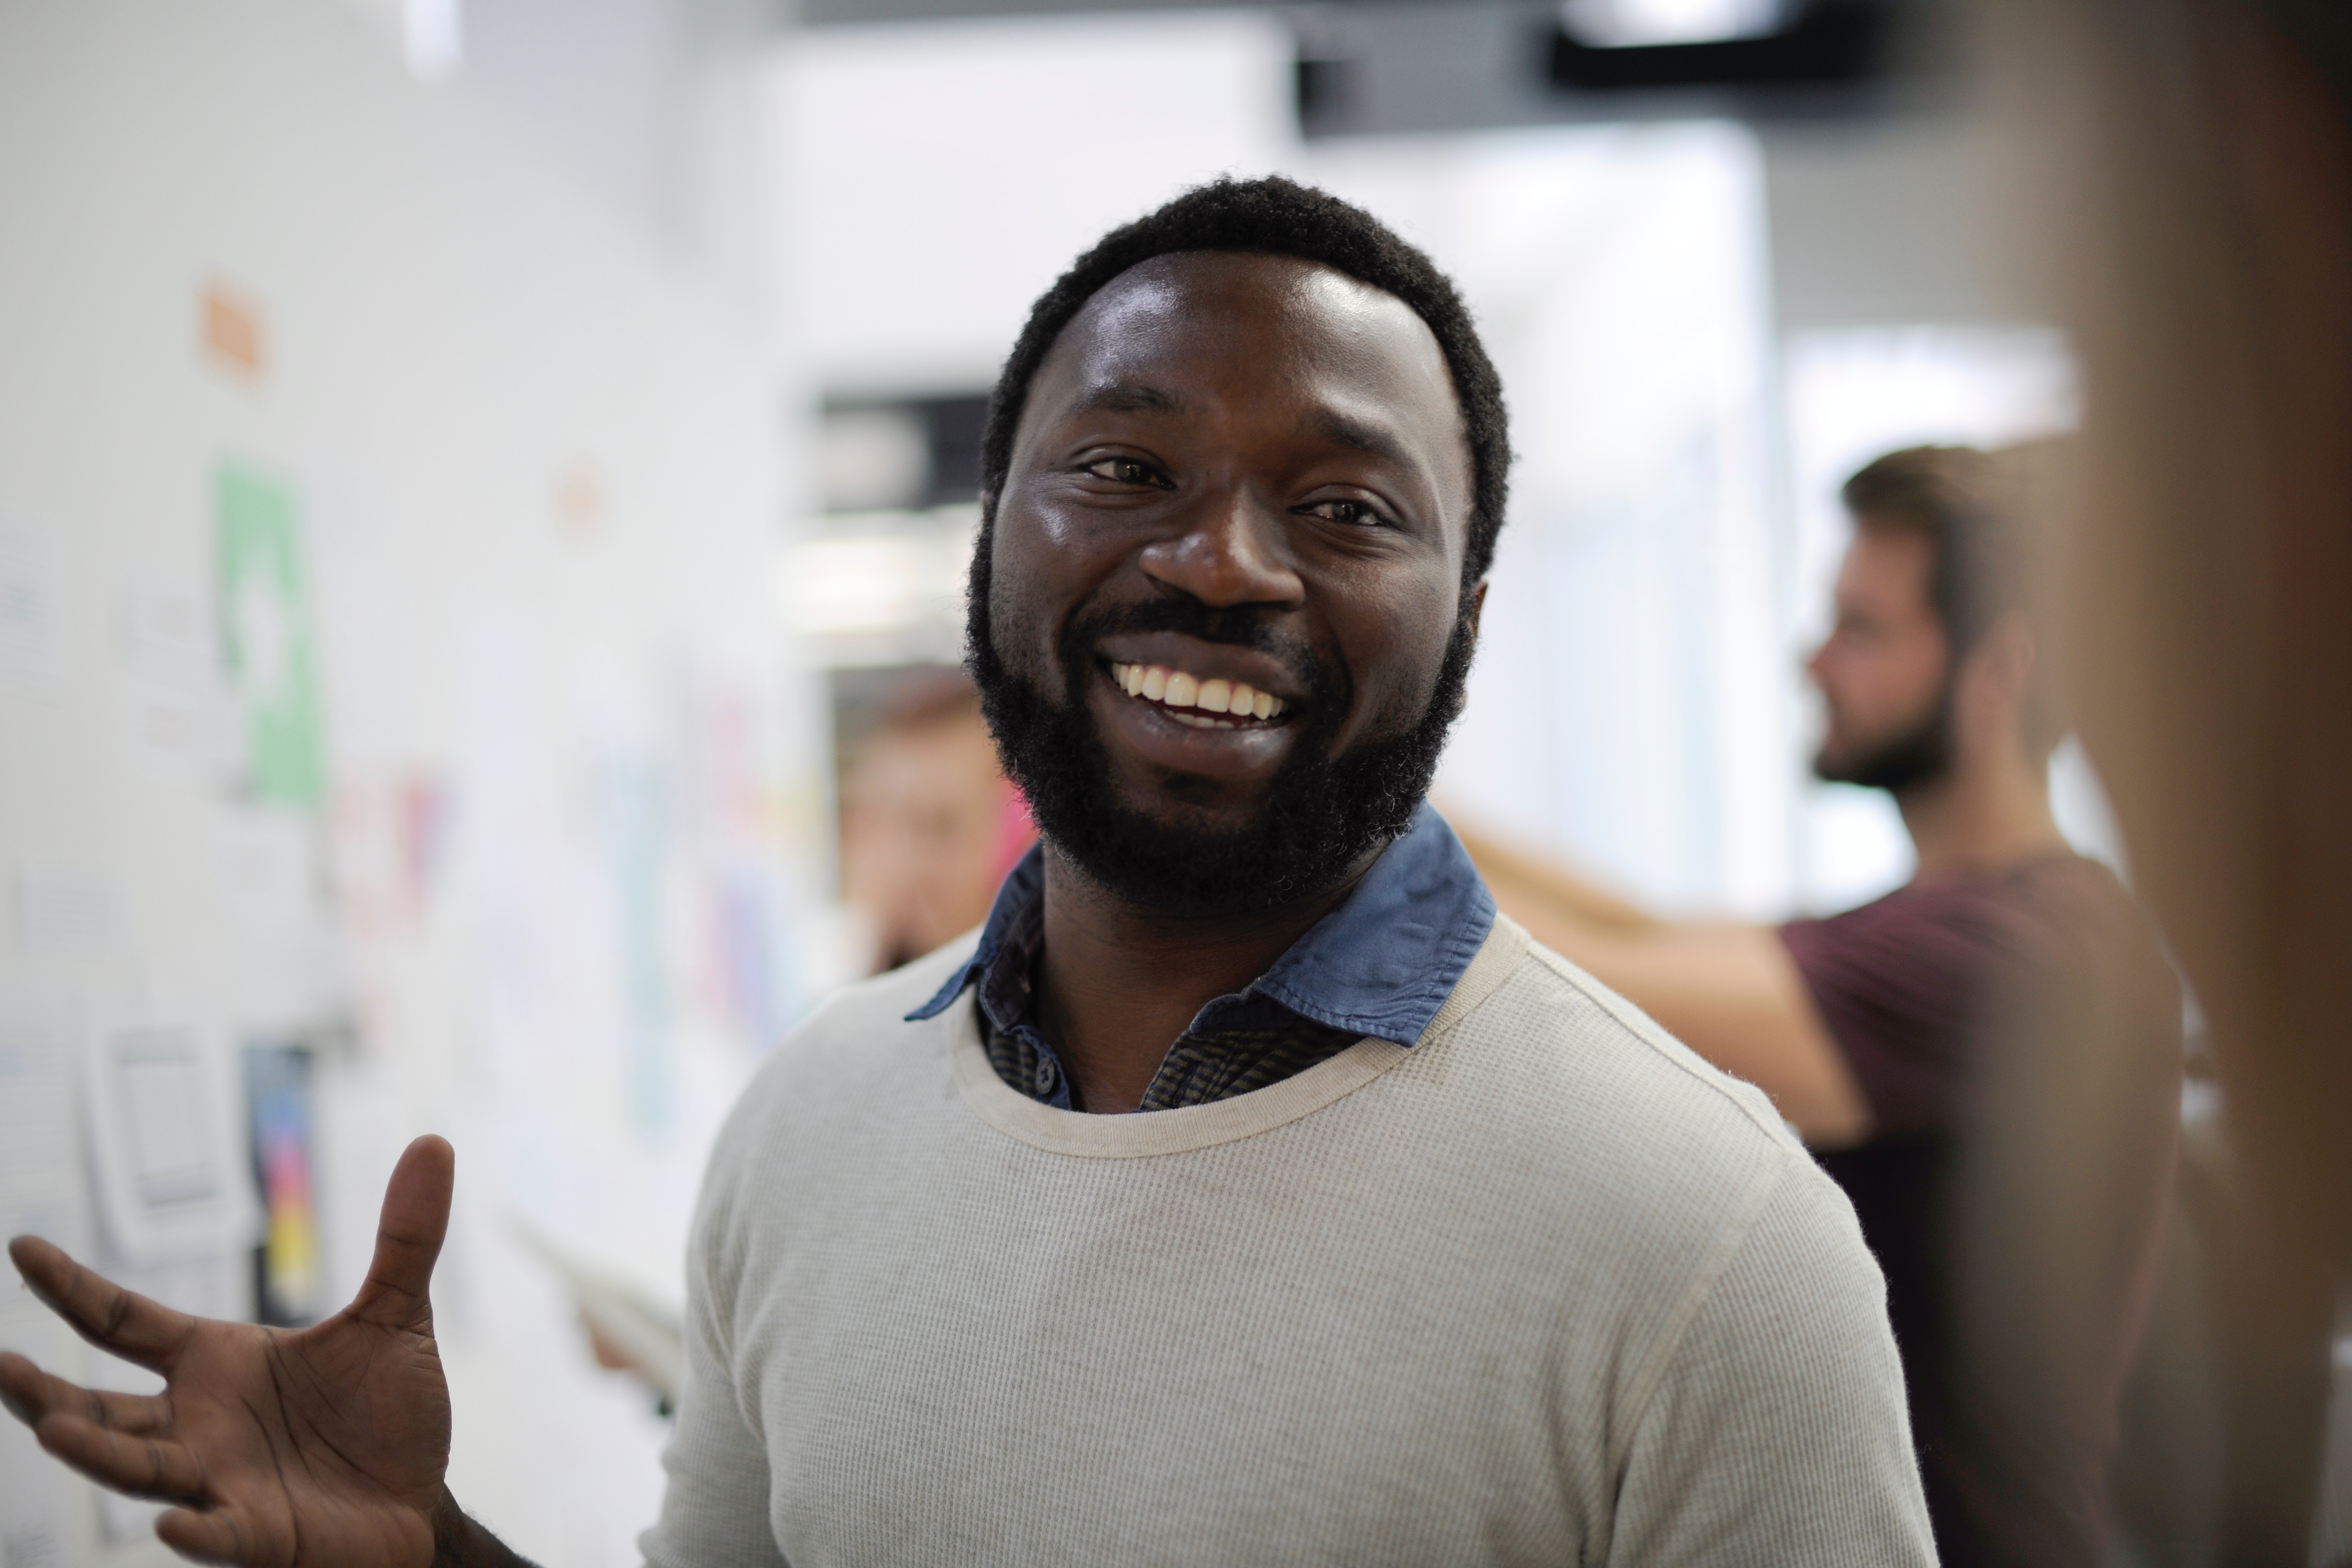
1232 470
1883 669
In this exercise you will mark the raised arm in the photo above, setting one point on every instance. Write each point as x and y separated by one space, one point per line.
1728 991
324 1447
1537 880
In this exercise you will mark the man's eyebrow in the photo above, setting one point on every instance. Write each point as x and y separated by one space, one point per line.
1131 397
1363 436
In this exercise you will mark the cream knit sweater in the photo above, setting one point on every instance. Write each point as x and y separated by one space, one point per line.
1543 1289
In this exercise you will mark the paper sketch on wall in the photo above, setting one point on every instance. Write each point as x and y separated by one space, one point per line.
272 662
32 605
184 722
286 961
160 1152
38 1194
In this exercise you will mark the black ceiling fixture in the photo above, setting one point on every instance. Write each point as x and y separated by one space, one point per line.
1827 44
951 428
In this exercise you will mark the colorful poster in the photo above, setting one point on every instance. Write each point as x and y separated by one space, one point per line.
286 1266
272 654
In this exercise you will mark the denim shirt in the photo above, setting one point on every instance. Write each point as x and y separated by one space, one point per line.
1381 964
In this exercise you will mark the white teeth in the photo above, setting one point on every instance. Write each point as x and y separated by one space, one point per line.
1174 688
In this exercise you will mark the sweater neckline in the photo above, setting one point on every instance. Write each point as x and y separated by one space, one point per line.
1182 1131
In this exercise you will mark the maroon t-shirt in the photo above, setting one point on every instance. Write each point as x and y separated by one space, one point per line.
2017 1037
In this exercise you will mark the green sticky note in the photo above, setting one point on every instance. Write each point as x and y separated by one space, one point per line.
266 605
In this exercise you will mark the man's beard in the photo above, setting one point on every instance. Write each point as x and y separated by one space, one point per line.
1919 755
1321 817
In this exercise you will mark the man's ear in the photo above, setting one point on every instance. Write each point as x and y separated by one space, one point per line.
2001 664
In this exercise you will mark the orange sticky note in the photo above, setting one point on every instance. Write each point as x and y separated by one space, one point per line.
233 331
578 499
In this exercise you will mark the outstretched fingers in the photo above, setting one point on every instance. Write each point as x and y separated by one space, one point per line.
121 1321
145 1466
31 1394
409 1237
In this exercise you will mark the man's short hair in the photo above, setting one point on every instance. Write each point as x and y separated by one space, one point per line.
1276 216
1971 507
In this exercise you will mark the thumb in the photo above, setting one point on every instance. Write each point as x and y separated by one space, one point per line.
408 1236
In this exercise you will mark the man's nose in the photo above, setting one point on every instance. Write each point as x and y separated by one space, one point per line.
1231 551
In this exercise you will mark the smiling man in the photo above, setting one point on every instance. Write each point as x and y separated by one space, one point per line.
1248 1190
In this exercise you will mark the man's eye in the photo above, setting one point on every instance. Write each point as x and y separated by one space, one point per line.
1355 513
1123 471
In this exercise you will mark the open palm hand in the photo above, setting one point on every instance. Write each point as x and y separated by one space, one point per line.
322 1448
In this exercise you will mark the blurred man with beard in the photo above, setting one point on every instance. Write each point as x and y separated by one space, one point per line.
1911 1040
1423 1249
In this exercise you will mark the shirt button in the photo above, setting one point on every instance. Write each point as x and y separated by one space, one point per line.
1045 1076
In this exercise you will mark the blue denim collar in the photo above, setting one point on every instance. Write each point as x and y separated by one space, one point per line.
1382 963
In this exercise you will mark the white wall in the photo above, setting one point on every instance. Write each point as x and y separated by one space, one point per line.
1890 219
934 178
535 466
